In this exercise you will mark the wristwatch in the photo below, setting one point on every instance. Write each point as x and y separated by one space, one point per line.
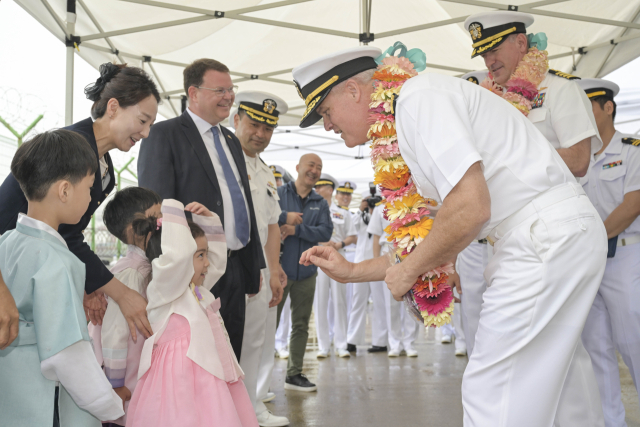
342 244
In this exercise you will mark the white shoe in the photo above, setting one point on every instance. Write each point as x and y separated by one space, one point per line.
393 353
462 351
267 419
341 352
446 339
283 354
270 396
412 352
322 354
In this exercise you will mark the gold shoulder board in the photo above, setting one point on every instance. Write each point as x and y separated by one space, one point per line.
563 75
631 141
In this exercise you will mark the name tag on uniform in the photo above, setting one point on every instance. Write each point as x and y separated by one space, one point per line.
538 100
612 164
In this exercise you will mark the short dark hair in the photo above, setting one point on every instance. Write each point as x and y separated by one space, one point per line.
153 248
602 100
125 205
194 73
128 85
50 157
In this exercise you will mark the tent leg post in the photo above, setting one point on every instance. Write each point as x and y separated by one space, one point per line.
68 102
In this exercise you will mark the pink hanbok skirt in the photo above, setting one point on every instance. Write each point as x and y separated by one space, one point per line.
177 392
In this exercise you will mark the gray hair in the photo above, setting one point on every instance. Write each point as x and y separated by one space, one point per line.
362 78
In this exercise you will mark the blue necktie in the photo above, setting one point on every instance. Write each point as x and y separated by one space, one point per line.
239 207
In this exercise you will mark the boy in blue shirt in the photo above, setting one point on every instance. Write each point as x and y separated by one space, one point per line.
50 373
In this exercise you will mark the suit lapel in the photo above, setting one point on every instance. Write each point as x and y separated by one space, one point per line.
195 139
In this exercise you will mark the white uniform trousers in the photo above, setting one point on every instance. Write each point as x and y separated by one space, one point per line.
614 324
471 264
283 333
542 279
256 329
378 318
338 291
456 327
266 364
403 329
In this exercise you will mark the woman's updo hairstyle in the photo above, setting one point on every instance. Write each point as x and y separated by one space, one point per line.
129 85
142 226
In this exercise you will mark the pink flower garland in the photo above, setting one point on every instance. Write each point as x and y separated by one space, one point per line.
522 87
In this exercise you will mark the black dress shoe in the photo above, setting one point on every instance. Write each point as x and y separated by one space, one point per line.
351 348
300 383
377 349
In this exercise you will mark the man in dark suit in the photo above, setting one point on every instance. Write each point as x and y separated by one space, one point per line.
192 158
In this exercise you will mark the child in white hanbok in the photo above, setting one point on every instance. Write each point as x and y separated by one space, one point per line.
115 350
189 375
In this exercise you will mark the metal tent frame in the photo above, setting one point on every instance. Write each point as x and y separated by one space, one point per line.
367 35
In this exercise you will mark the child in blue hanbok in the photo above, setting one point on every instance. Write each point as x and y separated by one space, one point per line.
50 368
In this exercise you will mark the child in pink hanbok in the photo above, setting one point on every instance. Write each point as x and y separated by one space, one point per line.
188 375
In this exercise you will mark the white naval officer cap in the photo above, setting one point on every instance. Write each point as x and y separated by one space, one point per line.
278 171
489 30
599 87
326 179
261 107
347 187
314 79
476 76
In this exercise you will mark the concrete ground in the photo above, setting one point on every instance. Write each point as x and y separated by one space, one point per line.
374 390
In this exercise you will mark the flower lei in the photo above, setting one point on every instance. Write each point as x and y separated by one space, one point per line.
522 87
407 211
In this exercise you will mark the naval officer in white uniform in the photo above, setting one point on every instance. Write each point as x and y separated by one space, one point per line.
496 177
562 113
613 185
254 120
344 234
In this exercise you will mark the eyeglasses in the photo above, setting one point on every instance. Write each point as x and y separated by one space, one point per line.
220 91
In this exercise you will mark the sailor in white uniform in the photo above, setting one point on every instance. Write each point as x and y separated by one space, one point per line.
362 291
344 234
470 266
613 186
496 177
254 121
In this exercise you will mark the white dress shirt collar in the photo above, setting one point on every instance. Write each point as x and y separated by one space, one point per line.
202 125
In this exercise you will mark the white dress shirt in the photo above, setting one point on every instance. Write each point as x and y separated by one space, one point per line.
445 125
564 116
229 223
612 174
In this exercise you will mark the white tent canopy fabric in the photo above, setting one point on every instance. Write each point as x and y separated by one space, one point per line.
261 41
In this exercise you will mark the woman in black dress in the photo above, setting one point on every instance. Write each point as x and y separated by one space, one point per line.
125 105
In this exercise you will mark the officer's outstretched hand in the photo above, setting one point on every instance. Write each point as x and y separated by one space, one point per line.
330 261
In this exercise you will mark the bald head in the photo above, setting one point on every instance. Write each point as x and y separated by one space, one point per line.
310 158
309 169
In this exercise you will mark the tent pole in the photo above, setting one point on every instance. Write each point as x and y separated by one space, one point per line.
71 24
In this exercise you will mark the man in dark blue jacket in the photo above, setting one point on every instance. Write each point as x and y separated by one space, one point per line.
304 222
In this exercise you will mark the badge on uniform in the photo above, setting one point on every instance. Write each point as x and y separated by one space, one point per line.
538 100
612 164
337 215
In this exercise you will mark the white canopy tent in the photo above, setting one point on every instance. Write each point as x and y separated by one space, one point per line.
261 41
